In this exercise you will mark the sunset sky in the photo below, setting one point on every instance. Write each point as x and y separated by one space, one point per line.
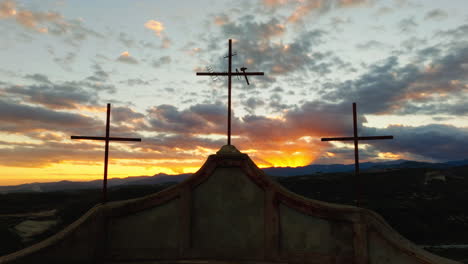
404 62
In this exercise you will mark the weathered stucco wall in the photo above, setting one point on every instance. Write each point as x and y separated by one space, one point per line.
304 233
152 230
228 211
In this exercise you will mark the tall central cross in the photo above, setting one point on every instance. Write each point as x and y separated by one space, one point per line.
107 138
356 139
229 74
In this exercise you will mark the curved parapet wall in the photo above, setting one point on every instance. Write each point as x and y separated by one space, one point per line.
228 211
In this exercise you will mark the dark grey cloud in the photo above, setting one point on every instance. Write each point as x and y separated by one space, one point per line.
407 25
125 39
337 22
384 11
251 104
259 48
125 57
197 119
125 114
41 155
318 119
70 151
96 86
146 44
459 33
413 43
164 60
20 118
168 143
436 14
54 96
276 103
278 89
74 30
60 95
135 81
314 119
99 74
379 88
371 44
66 61
38 78
436 86
435 142
428 54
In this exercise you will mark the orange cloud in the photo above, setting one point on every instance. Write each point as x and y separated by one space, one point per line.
155 26
349 3
29 19
221 20
7 9
158 28
273 3
305 9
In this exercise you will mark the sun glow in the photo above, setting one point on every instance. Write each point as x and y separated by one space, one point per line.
295 159
388 155
87 171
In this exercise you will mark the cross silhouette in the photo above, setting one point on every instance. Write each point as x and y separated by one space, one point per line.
356 139
107 138
229 74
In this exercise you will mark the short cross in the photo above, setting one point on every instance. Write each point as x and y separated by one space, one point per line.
229 74
355 138
107 138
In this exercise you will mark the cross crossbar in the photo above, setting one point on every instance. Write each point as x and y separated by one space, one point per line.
227 74
358 138
104 138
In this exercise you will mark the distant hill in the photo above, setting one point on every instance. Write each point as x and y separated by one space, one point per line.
394 164
95 184
280 171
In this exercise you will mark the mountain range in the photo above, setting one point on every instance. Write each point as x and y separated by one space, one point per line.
273 171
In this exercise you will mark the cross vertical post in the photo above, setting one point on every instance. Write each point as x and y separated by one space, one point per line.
229 74
107 138
356 157
229 92
106 155
356 139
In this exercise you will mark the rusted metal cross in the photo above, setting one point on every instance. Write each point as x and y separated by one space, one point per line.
107 138
356 139
229 74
